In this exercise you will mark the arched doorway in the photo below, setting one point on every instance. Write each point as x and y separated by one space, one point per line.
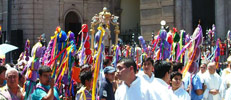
130 25
73 23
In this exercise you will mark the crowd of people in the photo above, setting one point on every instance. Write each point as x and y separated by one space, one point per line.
165 70
155 80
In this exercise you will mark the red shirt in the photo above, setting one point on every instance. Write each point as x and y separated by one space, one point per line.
223 48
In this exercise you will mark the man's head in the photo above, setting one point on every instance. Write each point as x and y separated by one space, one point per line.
162 70
12 78
86 79
44 75
106 62
125 68
212 67
203 67
85 67
2 72
148 66
176 79
109 73
177 66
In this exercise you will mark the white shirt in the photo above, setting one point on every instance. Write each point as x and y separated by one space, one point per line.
201 75
144 76
163 90
226 81
225 73
212 81
182 94
185 78
226 84
187 74
228 97
138 90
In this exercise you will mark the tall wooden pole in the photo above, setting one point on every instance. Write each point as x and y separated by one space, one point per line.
117 31
92 30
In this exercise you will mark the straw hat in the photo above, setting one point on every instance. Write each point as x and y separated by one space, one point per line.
229 59
2 56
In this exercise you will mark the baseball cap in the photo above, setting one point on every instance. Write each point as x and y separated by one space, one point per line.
109 69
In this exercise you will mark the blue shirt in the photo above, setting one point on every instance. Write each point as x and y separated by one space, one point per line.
106 90
38 93
196 85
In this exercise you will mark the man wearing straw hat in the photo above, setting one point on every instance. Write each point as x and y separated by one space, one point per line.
227 70
225 77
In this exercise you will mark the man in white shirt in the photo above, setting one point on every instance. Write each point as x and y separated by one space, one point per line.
132 88
162 80
213 82
148 68
225 77
228 97
226 82
227 70
176 81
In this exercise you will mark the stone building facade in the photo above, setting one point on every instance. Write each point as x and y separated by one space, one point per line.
185 14
34 17
152 12
31 18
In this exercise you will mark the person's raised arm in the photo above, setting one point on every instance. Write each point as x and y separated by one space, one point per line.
50 94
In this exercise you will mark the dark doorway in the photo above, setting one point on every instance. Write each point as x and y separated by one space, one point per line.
16 40
203 10
73 23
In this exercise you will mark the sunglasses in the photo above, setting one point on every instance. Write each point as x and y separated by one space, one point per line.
203 67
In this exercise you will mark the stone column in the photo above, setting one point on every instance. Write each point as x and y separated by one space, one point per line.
228 12
61 14
188 16
220 19
85 11
1 12
178 14
226 7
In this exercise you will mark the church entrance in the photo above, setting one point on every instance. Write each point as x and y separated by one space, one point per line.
73 23
203 10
